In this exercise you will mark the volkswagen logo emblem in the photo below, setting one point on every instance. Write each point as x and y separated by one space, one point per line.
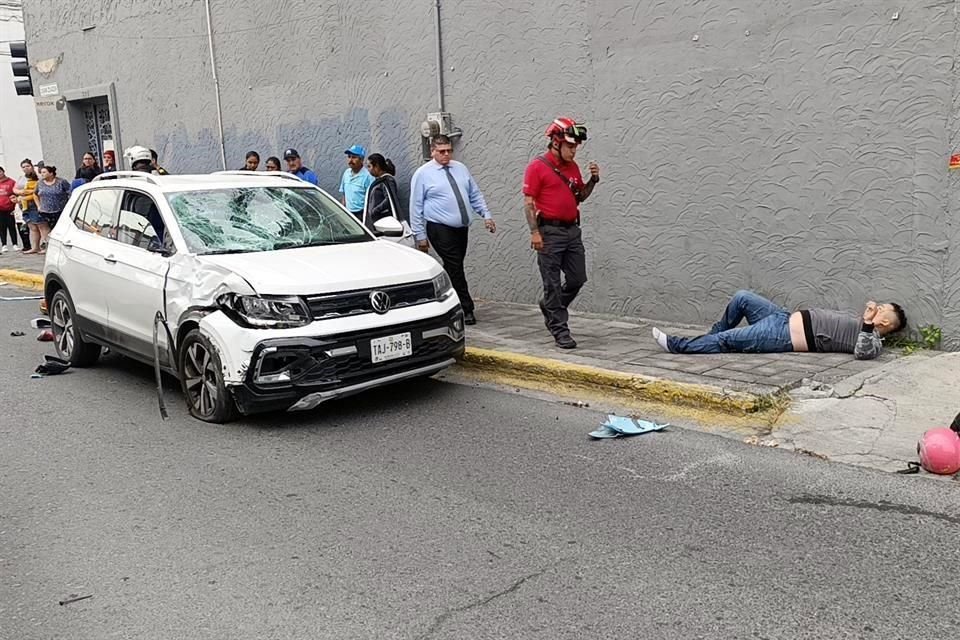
380 301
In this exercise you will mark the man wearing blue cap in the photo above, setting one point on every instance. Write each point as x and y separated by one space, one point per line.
355 181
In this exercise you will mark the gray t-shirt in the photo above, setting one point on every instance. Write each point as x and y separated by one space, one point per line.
841 332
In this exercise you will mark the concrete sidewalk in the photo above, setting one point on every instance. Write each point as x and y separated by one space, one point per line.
625 346
873 419
866 413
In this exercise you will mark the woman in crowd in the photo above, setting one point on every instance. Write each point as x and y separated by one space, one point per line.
29 211
273 163
88 164
89 169
52 193
382 199
252 161
109 161
8 210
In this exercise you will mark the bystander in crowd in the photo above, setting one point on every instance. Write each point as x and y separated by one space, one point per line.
52 194
8 210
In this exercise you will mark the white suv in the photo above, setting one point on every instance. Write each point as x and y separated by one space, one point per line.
258 291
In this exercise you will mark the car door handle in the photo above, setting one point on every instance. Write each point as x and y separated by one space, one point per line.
67 245
110 259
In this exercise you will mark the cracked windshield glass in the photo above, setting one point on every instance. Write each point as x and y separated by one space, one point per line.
253 219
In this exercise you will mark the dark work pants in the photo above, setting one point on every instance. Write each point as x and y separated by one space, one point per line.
8 225
450 243
562 252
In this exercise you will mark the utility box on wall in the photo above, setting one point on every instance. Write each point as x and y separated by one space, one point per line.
439 123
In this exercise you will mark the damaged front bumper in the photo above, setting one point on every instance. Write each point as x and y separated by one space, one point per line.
300 372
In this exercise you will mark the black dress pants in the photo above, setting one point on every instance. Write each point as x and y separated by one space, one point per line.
450 243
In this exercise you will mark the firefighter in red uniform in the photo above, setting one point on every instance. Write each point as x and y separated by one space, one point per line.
553 190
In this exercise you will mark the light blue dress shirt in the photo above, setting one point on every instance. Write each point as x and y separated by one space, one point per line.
432 198
354 187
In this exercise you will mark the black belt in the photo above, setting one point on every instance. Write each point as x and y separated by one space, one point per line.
558 223
808 331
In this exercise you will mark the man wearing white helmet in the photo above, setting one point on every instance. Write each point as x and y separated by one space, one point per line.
139 158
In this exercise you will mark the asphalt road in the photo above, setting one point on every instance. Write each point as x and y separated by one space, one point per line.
438 511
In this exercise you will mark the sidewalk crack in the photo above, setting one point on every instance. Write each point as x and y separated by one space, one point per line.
855 391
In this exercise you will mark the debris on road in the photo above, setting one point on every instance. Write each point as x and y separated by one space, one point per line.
40 323
52 366
73 598
604 431
580 404
17 334
762 442
45 336
617 426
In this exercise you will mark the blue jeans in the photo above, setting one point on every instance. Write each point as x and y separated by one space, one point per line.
767 330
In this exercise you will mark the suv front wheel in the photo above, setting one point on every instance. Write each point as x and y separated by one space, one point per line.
67 340
201 376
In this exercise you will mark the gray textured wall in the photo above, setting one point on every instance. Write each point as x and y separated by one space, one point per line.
795 148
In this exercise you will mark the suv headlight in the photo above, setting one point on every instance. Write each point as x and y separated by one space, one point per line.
442 287
260 312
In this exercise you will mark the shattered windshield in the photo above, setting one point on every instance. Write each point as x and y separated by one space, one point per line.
252 219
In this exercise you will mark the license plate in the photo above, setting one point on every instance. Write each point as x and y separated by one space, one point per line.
391 347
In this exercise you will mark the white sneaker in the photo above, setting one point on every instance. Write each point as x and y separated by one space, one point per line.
15 247
3 249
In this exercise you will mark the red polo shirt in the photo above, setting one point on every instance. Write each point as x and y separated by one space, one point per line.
552 194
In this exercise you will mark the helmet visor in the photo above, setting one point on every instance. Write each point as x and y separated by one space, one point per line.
575 134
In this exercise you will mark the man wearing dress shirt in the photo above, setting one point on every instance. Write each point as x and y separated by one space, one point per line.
443 195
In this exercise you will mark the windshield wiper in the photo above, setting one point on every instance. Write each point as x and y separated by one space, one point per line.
288 244
223 252
300 245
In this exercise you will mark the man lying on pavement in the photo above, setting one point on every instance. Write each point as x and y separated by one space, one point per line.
773 329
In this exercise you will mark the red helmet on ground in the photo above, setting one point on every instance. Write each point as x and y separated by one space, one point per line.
567 129
939 451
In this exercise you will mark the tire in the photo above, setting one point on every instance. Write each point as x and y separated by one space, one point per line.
201 377
67 340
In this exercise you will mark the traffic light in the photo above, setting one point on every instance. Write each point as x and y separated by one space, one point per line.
21 69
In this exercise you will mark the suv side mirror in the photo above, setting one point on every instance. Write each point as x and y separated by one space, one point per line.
163 251
165 248
389 227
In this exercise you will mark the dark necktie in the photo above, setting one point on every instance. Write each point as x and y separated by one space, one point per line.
464 217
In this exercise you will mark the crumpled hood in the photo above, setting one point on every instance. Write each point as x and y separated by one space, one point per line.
316 270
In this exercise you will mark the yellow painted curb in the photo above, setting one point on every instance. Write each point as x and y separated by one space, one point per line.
23 279
544 371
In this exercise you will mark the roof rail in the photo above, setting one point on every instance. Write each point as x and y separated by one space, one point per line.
258 174
127 174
